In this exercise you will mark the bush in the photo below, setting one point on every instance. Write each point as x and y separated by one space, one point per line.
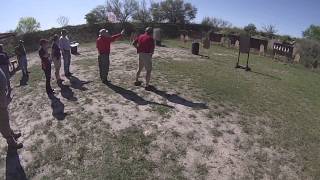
310 52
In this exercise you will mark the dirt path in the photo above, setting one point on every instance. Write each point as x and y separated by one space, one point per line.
186 140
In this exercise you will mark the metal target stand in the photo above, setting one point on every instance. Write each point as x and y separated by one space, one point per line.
244 48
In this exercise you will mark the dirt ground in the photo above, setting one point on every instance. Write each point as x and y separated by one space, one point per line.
66 136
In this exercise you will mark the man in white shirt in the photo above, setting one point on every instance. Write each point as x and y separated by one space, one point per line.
64 44
5 128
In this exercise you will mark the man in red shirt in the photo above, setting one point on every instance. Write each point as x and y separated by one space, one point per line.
145 48
103 45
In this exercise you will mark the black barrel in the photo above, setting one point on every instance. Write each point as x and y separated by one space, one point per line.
195 48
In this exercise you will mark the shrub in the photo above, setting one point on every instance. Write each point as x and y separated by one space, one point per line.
310 52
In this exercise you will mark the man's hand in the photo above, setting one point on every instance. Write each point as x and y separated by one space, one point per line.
135 44
123 32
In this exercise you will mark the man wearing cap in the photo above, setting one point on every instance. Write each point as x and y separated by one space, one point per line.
22 58
103 45
64 44
4 66
5 128
145 48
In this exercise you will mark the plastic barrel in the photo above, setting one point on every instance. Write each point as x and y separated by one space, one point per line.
195 48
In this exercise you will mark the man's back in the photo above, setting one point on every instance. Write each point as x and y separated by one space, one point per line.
64 43
145 43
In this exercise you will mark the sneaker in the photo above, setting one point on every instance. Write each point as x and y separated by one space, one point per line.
138 83
106 82
68 74
149 88
51 91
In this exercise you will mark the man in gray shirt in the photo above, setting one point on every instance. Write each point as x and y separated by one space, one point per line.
5 128
64 44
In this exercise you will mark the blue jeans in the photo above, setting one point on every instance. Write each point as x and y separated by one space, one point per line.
66 61
24 65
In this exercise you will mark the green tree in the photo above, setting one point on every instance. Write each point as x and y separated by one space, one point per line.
27 24
143 14
122 9
97 15
173 11
251 29
313 32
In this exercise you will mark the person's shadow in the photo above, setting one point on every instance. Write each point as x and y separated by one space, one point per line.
132 96
14 170
76 83
66 92
174 98
57 108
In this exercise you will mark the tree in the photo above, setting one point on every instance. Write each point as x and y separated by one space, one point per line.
122 9
27 25
173 11
270 30
251 29
142 14
97 15
313 32
216 22
63 21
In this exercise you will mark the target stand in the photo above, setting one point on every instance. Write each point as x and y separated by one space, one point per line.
244 48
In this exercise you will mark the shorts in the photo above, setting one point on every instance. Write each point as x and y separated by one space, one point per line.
145 60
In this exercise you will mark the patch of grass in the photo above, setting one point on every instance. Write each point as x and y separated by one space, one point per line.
202 171
216 133
162 110
288 95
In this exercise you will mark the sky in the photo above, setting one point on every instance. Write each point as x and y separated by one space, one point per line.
290 17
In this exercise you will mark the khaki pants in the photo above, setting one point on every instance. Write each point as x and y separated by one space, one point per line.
5 129
57 66
145 61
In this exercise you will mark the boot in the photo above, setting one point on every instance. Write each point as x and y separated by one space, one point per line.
12 143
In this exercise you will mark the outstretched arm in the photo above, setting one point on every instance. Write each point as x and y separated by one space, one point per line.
115 37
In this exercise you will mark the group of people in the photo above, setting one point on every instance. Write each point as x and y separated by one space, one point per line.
144 44
5 99
60 46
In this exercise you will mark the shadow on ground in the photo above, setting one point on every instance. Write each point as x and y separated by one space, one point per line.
266 75
76 83
66 92
174 98
57 108
14 170
132 96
